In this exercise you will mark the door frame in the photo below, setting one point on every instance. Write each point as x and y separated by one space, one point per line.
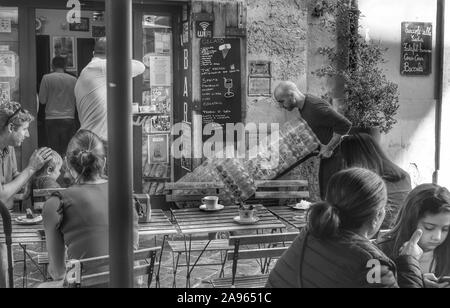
138 12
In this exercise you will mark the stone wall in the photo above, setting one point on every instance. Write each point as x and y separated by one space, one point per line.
285 33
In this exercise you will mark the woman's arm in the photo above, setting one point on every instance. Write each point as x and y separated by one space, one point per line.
54 239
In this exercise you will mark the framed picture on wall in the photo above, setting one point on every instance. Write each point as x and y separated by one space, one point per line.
64 46
82 26
98 31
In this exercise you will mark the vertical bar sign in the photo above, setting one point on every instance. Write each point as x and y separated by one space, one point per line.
416 48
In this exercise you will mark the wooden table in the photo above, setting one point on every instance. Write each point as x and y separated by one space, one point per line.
158 225
194 221
22 234
191 221
294 218
27 234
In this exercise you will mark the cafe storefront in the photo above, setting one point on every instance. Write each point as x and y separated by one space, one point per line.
184 77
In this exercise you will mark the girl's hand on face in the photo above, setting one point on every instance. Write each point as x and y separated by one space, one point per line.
431 281
411 248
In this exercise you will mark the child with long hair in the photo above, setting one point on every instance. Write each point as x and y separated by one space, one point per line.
427 208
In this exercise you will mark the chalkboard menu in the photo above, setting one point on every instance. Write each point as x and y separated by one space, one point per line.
416 48
220 80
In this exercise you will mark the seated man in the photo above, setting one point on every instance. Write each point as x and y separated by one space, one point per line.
14 122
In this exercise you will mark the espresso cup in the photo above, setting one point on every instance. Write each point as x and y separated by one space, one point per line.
210 202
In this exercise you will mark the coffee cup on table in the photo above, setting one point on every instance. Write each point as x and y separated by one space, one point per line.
210 202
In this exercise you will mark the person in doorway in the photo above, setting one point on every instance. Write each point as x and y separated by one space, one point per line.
14 123
57 94
335 250
427 208
325 122
90 91
361 150
77 218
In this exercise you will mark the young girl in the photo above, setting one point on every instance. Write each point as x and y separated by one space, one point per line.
427 207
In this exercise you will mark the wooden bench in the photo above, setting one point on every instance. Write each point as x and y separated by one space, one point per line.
274 189
205 188
264 247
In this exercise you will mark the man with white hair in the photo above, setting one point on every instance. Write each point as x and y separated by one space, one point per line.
325 122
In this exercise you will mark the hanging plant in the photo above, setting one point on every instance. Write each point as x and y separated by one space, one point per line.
371 100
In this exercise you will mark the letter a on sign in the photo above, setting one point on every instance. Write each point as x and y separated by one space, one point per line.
74 15
374 274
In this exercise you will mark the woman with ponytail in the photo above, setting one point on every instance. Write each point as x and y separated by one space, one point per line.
335 250
77 218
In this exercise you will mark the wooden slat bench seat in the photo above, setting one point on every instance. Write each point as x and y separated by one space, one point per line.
264 247
199 245
255 281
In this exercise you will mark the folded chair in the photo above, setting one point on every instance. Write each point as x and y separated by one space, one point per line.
261 247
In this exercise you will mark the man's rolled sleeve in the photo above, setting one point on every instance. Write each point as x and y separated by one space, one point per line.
340 124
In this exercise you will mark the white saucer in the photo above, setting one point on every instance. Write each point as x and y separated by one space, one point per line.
246 221
217 208
23 220
301 206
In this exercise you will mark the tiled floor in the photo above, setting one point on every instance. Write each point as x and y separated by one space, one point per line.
199 277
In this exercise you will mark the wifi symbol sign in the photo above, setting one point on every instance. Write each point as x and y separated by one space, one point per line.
204 25
204 29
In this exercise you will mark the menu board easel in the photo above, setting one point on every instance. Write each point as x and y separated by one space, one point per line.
220 80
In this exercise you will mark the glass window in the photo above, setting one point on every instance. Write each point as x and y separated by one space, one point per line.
9 54
157 97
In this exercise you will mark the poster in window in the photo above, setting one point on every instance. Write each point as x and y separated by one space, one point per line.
83 26
162 43
7 64
158 149
64 47
4 92
5 25
259 86
160 100
185 34
160 72
160 124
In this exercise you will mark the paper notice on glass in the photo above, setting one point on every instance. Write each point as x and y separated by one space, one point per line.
7 65
162 43
4 92
5 25
158 149
4 48
160 72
